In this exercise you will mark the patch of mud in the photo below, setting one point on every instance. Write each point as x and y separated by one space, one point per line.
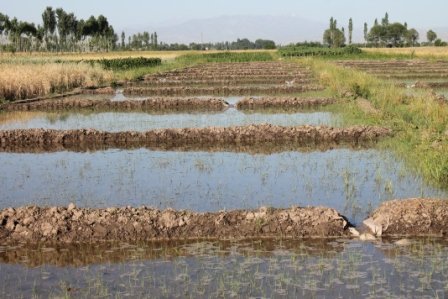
170 138
411 217
282 102
151 104
71 224
220 91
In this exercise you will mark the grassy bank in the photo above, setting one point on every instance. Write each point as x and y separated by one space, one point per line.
420 122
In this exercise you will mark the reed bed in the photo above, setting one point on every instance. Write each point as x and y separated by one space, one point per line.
23 81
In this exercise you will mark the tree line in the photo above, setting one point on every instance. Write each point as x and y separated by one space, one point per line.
381 34
59 31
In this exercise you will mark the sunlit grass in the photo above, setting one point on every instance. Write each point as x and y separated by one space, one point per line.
420 122
424 52
21 81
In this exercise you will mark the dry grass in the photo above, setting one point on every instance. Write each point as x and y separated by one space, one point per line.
427 52
48 57
22 81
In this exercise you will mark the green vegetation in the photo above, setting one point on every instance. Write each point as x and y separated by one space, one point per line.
227 57
420 122
299 51
334 37
127 63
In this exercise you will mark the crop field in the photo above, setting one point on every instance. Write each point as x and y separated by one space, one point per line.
223 174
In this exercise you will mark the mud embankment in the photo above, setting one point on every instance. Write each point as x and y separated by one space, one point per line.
252 135
219 82
411 217
228 77
71 224
149 105
220 91
283 102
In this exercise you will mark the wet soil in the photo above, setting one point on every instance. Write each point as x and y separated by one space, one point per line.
171 138
220 91
283 102
152 104
71 224
412 217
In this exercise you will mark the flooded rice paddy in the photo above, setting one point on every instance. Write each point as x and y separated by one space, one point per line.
140 121
354 182
248 269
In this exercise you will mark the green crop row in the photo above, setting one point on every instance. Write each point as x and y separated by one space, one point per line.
293 51
229 57
127 63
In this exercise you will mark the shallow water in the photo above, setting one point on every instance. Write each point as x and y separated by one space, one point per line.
125 121
353 182
262 269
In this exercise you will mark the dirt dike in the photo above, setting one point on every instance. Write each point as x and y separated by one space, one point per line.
220 91
150 104
72 224
218 77
410 217
218 136
282 102
219 82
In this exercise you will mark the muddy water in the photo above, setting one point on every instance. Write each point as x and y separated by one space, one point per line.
134 121
353 182
257 269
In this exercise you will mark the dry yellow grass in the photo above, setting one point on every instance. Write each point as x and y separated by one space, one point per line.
22 81
427 52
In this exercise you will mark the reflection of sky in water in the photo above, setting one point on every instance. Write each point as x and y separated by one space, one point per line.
300 269
116 121
353 182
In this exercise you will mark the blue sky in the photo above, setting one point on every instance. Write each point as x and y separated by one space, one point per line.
133 13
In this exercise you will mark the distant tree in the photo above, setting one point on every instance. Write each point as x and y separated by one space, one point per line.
4 23
431 36
334 37
123 38
350 31
366 31
156 42
412 37
385 20
375 23
49 25
439 43
264 44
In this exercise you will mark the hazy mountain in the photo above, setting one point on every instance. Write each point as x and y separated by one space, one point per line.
281 29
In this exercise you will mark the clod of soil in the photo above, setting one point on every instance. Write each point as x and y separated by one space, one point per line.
411 217
282 102
251 135
103 90
72 224
151 104
219 91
